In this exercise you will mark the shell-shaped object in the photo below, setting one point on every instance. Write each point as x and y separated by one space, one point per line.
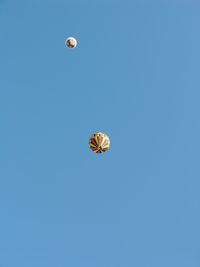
71 42
99 142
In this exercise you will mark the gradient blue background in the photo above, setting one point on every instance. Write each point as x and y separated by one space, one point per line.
136 76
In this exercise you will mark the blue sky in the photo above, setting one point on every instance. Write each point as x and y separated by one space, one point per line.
135 76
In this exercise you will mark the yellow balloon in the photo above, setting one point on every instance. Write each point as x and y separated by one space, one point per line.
99 142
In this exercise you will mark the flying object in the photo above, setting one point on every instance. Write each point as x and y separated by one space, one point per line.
99 142
71 42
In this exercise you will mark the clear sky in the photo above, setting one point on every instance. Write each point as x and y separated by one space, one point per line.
134 75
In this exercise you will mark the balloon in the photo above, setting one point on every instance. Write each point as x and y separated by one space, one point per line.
99 142
71 42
